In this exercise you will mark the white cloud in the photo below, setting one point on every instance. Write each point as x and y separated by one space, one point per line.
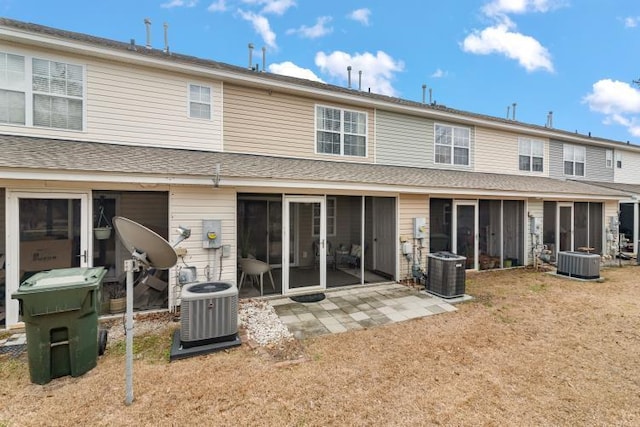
360 15
288 68
261 26
277 7
618 101
218 6
377 70
318 30
631 21
437 74
501 40
179 3
507 7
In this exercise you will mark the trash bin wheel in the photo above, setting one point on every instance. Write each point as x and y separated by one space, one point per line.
102 341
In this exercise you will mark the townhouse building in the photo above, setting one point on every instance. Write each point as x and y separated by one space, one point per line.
327 186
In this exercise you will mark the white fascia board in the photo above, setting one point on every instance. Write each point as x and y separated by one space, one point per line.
230 76
116 178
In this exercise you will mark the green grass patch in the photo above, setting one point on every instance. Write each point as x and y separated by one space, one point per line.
153 347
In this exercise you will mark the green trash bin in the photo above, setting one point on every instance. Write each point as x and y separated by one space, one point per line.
60 311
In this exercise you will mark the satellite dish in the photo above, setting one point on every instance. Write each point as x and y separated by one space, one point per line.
147 250
139 239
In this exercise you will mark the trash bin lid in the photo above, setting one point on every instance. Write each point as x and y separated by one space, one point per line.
63 278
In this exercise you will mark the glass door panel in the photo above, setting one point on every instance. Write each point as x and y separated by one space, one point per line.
465 229
305 239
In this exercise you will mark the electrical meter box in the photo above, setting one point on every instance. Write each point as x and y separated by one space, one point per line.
535 225
419 228
211 233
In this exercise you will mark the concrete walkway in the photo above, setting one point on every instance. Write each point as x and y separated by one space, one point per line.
357 308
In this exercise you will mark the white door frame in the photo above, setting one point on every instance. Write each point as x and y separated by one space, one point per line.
559 206
12 238
287 201
454 231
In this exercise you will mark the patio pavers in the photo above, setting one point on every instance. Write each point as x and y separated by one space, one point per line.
357 307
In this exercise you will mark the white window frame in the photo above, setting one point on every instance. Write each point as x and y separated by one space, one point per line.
12 82
608 162
199 101
27 87
525 142
457 140
571 154
619 160
342 132
332 211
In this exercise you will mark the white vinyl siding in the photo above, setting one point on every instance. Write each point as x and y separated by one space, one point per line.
531 154
574 160
341 132
452 145
199 102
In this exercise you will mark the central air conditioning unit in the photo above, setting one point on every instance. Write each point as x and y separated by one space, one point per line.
208 313
579 264
446 274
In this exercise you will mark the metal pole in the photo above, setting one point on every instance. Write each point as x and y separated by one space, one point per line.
129 267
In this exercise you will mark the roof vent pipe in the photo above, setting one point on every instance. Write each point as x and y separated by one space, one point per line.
132 44
424 93
360 80
550 119
430 95
508 111
166 37
514 110
349 76
250 46
147 23
264 58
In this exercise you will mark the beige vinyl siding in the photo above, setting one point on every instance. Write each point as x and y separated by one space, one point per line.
128 104
630 171
404 140
188 206
259 121
535 209
497 152
411 206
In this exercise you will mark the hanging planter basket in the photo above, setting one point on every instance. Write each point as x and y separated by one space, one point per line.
102 233
102 230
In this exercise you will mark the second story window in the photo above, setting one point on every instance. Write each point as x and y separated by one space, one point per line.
57 94
452 145
574 159
12 89
199 102
619 160
608 159
530 154
41 92
341 132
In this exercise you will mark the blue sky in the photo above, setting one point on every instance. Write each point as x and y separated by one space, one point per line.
577 58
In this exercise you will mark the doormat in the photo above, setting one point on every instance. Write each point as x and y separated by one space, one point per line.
309 298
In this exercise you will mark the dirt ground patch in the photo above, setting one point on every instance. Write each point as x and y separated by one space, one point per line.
531 349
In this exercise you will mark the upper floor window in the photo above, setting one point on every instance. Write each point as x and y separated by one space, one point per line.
199 102
40 92
531 154
12 89
341 132
608 159
452 145
574 158
331 217
619 160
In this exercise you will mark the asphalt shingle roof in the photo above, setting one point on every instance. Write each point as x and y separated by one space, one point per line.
31 153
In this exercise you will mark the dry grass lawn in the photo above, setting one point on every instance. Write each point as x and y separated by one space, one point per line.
531 349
